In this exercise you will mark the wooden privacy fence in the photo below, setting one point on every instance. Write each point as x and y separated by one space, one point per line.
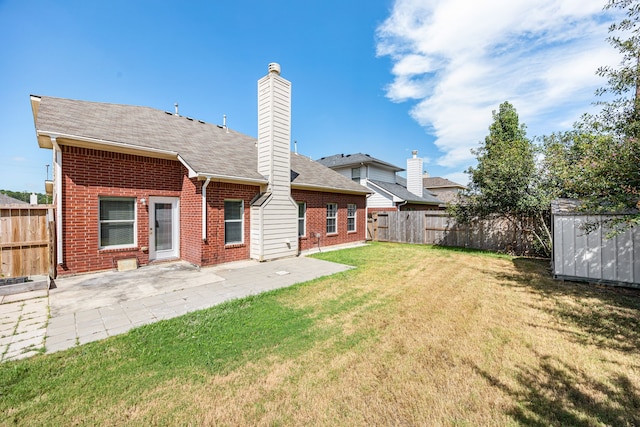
25 240
438 228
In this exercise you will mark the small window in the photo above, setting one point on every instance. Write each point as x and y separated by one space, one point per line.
233 222
355 174
117 222
302 214
332 216
351 217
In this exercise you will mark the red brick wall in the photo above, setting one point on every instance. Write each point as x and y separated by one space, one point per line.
191 220
89 174
214 250
317 218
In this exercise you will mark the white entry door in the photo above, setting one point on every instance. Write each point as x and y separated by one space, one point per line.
164 228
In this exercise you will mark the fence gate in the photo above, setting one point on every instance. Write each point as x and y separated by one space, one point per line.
25 240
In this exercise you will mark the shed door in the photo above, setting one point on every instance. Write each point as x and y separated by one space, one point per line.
164 228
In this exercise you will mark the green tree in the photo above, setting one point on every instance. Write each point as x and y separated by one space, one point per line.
504 183
599 161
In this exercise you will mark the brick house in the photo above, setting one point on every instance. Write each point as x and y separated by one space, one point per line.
443 188
136 182
391 192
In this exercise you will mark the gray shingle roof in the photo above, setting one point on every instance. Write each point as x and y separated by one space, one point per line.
7 200
438 182
401 192
204 147
343 160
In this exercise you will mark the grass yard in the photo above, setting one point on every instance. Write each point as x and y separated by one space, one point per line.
416 335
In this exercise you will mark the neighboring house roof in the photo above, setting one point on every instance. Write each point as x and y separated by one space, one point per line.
437 182
342 160
404 194
6 200
207 150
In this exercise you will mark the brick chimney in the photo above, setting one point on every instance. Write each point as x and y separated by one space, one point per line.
414 174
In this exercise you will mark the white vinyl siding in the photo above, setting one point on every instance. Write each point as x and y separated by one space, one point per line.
302 219
233 222
379 200
332 218
351 217
381 175
117 219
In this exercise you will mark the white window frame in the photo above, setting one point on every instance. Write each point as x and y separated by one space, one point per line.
332 215
302 220
352 208
240 220
134 221
356 174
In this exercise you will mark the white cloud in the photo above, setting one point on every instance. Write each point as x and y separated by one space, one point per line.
459 59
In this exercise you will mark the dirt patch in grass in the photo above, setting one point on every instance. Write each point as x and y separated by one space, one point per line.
414 336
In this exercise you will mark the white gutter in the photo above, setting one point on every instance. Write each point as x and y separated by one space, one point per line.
54 135
204 208
57 194
326 189
230 178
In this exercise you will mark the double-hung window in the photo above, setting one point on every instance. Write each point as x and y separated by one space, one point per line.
332 216
302 214
233 222
117 218
355 175
351 217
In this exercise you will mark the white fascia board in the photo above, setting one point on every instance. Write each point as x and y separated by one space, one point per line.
327 189
229 178
106 143
379 189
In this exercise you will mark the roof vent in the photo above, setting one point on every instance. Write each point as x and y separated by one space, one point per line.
176 105
274 67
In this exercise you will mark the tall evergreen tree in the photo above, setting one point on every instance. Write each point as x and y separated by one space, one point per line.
503 184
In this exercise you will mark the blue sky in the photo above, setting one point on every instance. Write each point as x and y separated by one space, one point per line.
381 77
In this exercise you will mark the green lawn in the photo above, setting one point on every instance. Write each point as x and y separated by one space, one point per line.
416 335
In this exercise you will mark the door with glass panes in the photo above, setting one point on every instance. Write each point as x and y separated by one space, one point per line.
164 228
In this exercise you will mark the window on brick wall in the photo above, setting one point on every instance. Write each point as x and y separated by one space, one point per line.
351 217
332 216
302 219
117 222
233 221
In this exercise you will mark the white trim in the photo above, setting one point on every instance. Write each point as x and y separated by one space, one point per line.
55 135
133 244
355 217
175 228
327 217
241 221
57 194
204 208
304 218
394 198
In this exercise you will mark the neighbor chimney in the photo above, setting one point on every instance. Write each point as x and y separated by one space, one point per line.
274 130
414 174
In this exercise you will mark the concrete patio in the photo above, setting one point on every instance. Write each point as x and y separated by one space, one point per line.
91 307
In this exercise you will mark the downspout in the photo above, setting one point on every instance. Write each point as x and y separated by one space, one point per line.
57 194
204 208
